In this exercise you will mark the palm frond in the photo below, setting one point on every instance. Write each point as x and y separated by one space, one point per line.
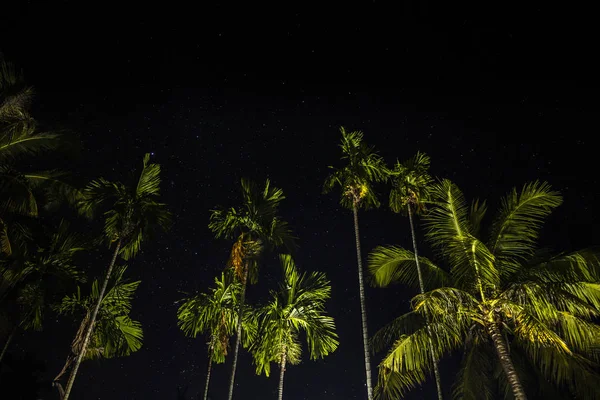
411 184
364 167
474 378
410 355
573 371
515 230
402 325
149 181
390 264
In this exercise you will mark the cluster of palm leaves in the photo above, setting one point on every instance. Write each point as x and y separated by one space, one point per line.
271 332
41 255
523 319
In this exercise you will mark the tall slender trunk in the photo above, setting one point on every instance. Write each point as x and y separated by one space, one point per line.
506 361
363 310
90 328
56 380
210 350
239 331
436 370
282 372
8 340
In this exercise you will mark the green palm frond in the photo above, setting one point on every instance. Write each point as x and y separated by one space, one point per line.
26 142
99 192
402 325
298 306
32 298
364 167
582 265
410 355
392 385
516 228
215 314
572 371
411 183
5 245
475 376
447 222
476 215
131 214
391 264
149 181
449 231
115 334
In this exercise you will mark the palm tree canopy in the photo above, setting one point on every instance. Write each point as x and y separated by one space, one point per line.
215 313
363 168
410 183
298 305
546 306
115 333
33 279
254 225
134 211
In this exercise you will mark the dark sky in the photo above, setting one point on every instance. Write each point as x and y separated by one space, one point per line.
498 95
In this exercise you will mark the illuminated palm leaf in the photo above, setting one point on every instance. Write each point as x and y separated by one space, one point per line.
297 306
364 167
115 334
131 212
389 264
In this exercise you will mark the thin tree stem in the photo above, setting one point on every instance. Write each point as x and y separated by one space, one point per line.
282 372
90 328
239 331
8 340
363 310
506 361
436 369
210 350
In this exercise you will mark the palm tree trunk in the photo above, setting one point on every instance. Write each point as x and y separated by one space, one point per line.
506 362
208 373
363 310
8 340
239 332
282 372
90 328
436 370
56 382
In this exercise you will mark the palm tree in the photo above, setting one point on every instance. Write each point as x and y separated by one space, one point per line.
254 226
506 297
298 305
115 334
29 281
215 313
23 193
133 214
363 168
410 190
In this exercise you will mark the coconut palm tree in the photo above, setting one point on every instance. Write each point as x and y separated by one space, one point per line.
30 281
255 226
502 296
410 190
363 168
115 334
215 314
133 214
298 305
24 192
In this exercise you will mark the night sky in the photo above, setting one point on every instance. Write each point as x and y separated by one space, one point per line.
496 95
